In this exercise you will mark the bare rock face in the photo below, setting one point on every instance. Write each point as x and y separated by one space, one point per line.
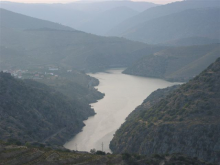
187 120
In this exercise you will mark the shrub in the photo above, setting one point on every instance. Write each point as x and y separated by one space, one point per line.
100 153
126 156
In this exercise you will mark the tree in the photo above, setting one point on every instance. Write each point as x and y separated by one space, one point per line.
93 151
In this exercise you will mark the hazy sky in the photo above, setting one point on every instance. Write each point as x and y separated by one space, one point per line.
65 1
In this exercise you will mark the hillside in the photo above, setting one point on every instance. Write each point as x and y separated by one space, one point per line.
22 22
33 112
75 85
192 41
159 11
11 154
184 121
176 64
186 24
66 48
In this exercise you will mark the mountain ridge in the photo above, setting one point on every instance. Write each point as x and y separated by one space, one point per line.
69 49
201 22
9 19
160 11
77 15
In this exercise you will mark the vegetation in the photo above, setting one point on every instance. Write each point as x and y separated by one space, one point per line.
33 112
37 117
11 154
185 120
40 45
176 64
75 85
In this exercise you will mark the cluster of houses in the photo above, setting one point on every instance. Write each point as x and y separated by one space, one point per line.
25 74
16 73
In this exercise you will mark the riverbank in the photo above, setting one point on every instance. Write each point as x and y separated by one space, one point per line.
123 93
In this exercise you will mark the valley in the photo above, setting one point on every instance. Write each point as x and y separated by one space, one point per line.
122 94
110 82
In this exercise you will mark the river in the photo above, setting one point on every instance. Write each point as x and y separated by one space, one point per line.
123 93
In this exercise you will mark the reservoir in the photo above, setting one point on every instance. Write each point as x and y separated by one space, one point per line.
123 93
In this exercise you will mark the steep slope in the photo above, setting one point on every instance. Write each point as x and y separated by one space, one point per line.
176 64
184 121
31 111
203 22
11 154
160 11
68 48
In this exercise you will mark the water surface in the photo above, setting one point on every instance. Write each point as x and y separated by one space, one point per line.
123 93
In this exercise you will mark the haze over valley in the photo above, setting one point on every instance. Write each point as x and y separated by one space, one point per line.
110 82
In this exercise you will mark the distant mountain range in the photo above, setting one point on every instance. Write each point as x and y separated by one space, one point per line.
91 17
49 43
107 20
203 22
21 22
27 42
181 119
179 23
173 21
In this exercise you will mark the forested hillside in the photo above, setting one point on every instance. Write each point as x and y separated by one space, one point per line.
184 121
33 112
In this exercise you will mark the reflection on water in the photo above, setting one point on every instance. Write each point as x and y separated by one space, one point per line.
123 93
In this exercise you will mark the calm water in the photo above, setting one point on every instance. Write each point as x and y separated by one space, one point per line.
123 93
